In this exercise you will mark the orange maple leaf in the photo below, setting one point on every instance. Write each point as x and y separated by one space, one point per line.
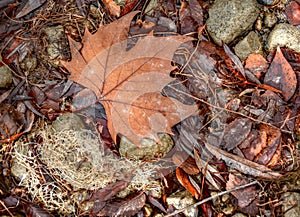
128 82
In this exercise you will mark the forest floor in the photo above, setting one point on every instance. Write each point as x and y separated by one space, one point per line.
149 108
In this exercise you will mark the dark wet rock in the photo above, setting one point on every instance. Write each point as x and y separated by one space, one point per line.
230 19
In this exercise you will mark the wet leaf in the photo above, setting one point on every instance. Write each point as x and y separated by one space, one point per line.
292 12
235 132
207 170
281 76
186 162
184 180
235 60
128 82
128 6
273 143
244 196
243 165
33 210
191 16
113 8
124 207
30 6
257 64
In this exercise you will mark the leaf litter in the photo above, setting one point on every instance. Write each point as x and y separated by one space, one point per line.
118 75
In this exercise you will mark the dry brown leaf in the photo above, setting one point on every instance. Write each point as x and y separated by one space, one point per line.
128 82
281 76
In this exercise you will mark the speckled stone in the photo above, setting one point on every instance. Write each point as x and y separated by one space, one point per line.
181 200
5 77
250 44
284 35
229 19
149 148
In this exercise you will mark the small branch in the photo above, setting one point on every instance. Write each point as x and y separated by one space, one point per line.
211 198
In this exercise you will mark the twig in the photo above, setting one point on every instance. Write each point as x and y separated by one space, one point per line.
211 198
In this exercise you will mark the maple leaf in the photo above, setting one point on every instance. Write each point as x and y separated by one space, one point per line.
128 82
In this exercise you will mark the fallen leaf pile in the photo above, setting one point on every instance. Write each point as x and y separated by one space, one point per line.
128 82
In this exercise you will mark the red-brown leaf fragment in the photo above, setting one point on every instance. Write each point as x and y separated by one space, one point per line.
281 76
257 64
184 180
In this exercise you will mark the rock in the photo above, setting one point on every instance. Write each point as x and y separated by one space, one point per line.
181 200
291 199
284 35
250 44
69 121
239 215
149 148
229 19
57 43
6 77
270 20
29 64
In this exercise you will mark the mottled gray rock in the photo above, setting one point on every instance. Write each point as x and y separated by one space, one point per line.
5 77
284 35
291 199
229 19
250 44
149 148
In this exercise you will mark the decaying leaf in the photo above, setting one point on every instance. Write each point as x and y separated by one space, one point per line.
186 162
235 132
124 207
243 165
264 145
30 6
292 12
113 8
244 196
185 181
281 76
191 16
257 64
207 170
128 82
